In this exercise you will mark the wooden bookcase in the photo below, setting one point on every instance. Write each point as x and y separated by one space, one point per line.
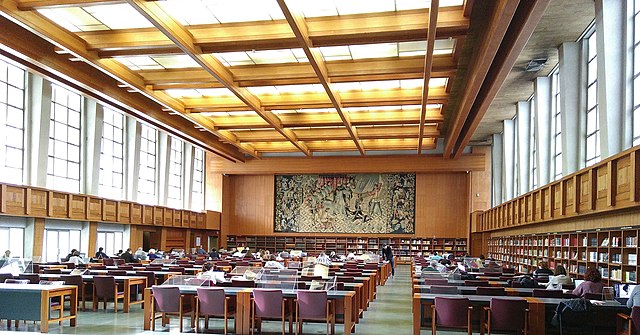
405 248
613 252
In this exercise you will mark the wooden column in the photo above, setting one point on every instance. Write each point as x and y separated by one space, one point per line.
38 236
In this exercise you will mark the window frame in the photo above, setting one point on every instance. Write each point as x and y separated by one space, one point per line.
12 143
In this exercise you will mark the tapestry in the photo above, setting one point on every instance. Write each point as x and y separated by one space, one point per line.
351 203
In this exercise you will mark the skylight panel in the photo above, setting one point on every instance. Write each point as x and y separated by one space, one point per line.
438 82
412 4
413 83
443 47
244 10
379 50
346 7
139 63
175 61
183 93
380 85
349 86
264 90
418 48
60 18
118 16
235 58
296 89
340 52
316 8
215 92
273 56
189 12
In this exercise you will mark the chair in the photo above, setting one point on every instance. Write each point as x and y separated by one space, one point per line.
5 276
436 281
542 293
438 289
448 312
508 270
593 296
211 301
271 305
310 278
151 277
493 291
33 278
478 283
105 287
243 283
98 267
506 315
345 279
632 322
117 273
77 281
168 300
314 305
108 261
51 271
125 267
294 265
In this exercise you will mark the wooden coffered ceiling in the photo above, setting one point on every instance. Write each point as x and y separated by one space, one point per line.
254 78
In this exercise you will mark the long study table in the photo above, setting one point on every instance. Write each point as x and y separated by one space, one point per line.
243 306
33 302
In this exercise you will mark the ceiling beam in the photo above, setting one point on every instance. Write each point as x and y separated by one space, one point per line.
319 66
302 73
503 12
40 57
522 26
34 4
336 133
428 65
386 27
179 35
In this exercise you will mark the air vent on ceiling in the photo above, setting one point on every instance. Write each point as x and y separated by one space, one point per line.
535 64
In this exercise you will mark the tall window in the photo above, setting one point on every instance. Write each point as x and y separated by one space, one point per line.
174 189
58 243
63 167
12 82
636 72
111 241
197 195
593 114
557 126
532 144
516 164
12 239
112 155
148 165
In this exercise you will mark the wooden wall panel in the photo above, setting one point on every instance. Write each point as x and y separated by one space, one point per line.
481 182
624 177
77 207
252 205
38 203
175 238
602 187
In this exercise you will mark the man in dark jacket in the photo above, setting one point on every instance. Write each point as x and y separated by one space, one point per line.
128 257
387 253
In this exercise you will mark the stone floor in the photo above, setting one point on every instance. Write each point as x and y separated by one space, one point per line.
389 314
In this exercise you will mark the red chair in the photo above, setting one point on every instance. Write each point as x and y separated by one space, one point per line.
33 278
105 288
506 315
310 278
542 293
632 322
76 280
478 283
493 291
434 281
169 301
314 305
211 301
437 289
448 312
270 304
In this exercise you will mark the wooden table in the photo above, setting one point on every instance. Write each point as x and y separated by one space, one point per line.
33 302
537 308
127 281
470 290
243 306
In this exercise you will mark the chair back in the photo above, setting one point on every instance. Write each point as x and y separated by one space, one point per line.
310 278
436 281
439 289
73 280
125 267
33 278
542 293
151 277
243 283
294 265
493 291
98 267
451 312
268 303
568 286
117 272
635 320
479 283
108 261
167 298
5 276
312 304
51 271
105 286
211 300
345 279
508 270
593 296
353 273
508 314
16 281
371 266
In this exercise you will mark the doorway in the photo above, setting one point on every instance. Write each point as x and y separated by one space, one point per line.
213 242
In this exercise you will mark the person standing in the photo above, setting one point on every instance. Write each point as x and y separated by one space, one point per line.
387 252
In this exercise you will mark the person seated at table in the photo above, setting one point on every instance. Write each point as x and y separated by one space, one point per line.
127 256
432 268
436 257
100 254
559 279
284 254
140 254
351 255
634 297
118 253
333 256
214 254
543 270
66 259
75 258
272 263
201 251
591 284
207 267
6 256
323 259
152 254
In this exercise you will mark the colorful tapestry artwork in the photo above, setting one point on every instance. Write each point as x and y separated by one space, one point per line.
351 203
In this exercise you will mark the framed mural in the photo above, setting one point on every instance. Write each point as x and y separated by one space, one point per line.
350 203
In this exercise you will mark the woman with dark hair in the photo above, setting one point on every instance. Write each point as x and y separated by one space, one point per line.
591 284
543 270
561 278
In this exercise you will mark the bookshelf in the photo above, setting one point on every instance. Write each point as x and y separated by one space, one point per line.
405 248
613 252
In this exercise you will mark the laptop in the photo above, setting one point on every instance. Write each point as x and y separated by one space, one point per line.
577 282
622 292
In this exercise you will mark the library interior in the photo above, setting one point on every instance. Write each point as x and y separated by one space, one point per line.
338 166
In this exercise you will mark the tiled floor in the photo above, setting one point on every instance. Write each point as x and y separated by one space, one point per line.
389 314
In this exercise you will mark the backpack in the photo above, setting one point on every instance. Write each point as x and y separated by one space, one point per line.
572 313
527 281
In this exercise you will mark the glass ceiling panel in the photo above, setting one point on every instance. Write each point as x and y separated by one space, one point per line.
346 7
191 12
388 84
262 57
157 62
198 93
286 89
101 17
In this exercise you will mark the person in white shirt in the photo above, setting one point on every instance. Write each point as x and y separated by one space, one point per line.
351 255
140 254
560 278
272 263
323 259
76 259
